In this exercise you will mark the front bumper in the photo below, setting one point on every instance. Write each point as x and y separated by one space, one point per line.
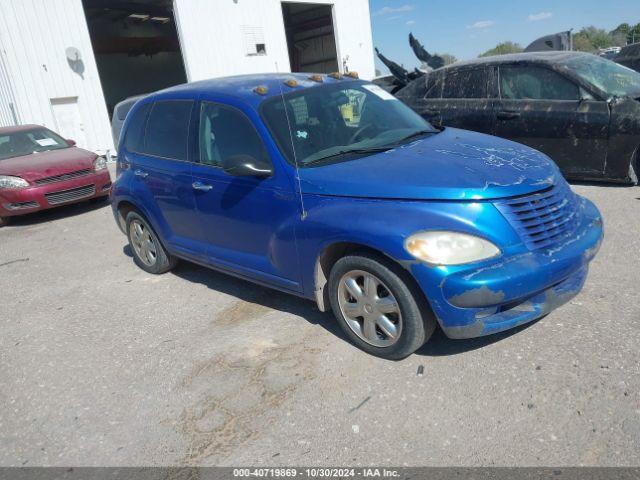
42 197
515 288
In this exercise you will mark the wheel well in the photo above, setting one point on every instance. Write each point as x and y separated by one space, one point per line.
124 208
330 255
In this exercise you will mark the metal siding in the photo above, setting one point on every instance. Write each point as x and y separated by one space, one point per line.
212 43
35 36
8 109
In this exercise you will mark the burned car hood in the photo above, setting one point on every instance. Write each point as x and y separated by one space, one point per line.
46 164
451 165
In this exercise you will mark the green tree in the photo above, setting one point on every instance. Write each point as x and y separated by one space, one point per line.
634 34
620 34
503 48
590 39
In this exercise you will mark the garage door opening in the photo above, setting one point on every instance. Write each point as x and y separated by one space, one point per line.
310 37
136 46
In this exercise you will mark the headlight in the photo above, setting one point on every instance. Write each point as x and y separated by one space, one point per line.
7 182
449 248
100 163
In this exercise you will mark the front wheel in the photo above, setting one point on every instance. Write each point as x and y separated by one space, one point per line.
148 252
378 307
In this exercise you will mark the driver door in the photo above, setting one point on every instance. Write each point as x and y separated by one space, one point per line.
244 218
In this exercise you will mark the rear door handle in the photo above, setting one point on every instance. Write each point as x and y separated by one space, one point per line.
507 115
203 187
140 173
430 113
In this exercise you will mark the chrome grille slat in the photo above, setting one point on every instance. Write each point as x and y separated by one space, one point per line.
63 177
64 196
542 219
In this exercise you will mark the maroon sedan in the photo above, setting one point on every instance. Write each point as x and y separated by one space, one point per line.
40 170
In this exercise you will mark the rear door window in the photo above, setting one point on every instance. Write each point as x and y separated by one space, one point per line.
467 83
168 129
134 140
526 82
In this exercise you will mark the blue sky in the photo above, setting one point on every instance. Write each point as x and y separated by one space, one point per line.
467 28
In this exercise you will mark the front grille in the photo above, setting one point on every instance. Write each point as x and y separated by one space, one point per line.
64 177
22 205
65 196
544 218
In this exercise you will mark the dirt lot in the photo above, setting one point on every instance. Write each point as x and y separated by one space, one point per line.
103 364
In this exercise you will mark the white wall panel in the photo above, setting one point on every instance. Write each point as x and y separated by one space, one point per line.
34 37
211 34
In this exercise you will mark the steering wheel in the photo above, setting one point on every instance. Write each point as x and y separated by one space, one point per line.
359 132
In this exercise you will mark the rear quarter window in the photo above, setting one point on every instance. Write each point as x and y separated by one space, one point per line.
167 133
134 140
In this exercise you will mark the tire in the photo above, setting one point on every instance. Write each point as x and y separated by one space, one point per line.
4 221
634 168
148 252
413 323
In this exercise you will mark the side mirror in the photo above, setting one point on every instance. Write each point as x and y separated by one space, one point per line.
71 143
246 166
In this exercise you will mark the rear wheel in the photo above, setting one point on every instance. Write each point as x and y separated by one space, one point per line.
148 252
4 221
378 307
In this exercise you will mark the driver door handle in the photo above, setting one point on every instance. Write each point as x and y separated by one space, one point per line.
140 173
202 187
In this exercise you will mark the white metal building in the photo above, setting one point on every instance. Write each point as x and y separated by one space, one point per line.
66 63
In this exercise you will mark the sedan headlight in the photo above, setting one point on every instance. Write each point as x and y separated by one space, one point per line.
449 248
7 182
99 163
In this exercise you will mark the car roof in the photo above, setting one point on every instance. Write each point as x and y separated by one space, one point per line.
243 86
18 128
533 57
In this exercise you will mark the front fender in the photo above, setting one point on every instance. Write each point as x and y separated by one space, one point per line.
384 225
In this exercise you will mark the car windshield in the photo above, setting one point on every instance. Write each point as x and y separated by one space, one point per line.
338 121
610 77
26 142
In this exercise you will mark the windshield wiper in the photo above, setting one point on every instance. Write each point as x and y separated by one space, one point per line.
413 135
348 151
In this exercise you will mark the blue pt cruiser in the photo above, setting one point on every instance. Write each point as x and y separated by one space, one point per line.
327 187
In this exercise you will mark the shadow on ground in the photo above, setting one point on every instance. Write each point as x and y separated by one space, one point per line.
58 213
438 345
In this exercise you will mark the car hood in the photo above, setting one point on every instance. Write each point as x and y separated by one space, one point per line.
47 164
451 165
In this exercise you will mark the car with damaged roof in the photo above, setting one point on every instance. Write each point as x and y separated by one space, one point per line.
329 188
581 110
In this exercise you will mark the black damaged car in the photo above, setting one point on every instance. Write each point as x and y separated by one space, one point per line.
583 111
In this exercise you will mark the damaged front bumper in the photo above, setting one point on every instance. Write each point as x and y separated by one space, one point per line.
515 288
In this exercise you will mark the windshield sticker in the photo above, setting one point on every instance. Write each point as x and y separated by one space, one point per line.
46 142
380 92
302 134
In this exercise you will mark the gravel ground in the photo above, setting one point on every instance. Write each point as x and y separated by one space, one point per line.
103 364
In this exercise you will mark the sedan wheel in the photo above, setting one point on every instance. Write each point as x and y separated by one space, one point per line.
370 309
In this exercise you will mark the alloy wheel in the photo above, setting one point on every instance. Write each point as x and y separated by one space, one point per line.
369 308
143 243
